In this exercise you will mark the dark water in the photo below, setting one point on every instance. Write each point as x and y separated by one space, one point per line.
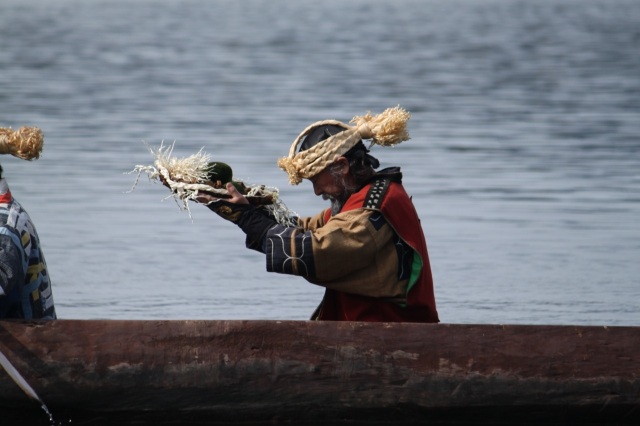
524 162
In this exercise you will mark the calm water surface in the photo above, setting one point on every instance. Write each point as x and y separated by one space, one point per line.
524 162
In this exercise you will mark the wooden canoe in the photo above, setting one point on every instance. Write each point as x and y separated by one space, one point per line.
201 372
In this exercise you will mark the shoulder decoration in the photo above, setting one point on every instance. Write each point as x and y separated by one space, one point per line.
376 193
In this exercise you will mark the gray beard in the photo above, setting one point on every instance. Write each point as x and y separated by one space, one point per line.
336 205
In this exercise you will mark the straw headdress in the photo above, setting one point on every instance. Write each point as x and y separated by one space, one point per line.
387 129
25 143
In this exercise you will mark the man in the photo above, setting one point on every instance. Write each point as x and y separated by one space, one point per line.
25 287
368 249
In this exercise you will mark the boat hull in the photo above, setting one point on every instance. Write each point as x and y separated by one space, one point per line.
324 372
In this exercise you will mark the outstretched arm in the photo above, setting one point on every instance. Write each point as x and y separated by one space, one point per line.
254 221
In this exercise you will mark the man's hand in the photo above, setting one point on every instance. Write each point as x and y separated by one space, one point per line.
236 197
253 221
231 208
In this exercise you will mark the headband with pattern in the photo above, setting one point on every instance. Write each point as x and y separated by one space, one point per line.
387 129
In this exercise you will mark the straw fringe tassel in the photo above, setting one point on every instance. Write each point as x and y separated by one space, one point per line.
387 128
25 143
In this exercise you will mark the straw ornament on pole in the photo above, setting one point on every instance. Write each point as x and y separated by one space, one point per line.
388 128
25 143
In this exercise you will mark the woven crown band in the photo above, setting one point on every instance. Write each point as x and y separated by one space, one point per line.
387 129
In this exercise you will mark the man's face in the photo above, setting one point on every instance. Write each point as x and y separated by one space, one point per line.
331 185
327 185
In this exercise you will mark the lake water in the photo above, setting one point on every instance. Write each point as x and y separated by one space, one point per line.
524 162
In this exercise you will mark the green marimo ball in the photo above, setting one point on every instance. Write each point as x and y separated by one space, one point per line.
219 172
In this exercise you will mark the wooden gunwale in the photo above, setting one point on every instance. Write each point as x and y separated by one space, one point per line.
282 371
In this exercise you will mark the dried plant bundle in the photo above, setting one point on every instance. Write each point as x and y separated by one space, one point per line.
187 177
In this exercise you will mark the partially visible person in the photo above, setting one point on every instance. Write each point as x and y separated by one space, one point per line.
25 285
368 248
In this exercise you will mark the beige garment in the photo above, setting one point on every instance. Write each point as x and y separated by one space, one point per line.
351 256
